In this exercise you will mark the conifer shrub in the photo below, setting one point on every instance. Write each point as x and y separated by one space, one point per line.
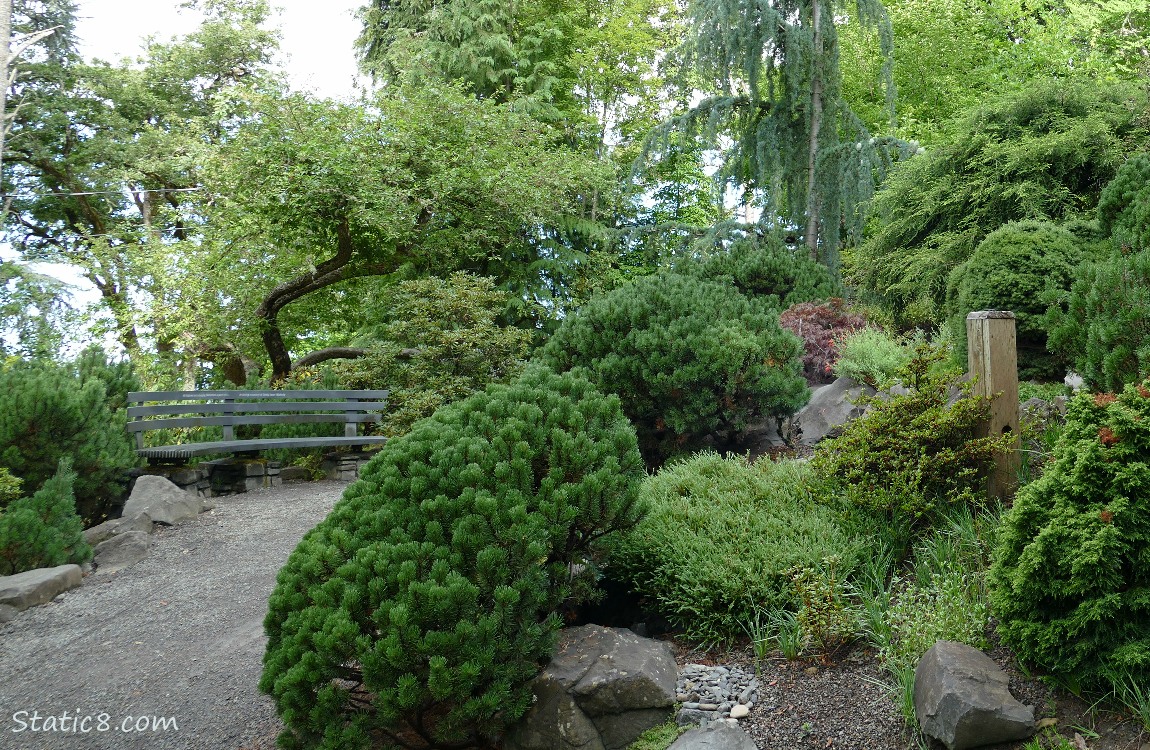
1070 583
822 327
1124 205
689 358
766 270
415 614
1102 325
43 531
9 487
49 412
1015 268
722 539
913 454
440 342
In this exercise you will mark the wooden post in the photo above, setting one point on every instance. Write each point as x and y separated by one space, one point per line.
992 356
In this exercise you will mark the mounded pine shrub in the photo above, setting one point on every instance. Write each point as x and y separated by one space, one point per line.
767 271
43 531
689 358
415 614
722 538
1070 583
49 412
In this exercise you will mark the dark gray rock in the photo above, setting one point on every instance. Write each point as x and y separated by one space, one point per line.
830 407
121 551
39 586
162 500
603 688
8 613
101 531
962 698
113 526
295 474
691 716
716 736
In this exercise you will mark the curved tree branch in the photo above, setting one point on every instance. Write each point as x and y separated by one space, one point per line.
331 352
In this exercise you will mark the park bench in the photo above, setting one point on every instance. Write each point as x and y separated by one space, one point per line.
157 410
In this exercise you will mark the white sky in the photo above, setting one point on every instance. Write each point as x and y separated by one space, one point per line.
316 40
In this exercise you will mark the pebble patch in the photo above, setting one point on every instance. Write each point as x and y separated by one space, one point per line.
714 693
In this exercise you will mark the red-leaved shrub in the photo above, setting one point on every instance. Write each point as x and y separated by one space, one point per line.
821 326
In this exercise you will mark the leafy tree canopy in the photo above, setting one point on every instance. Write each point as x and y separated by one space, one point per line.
310 195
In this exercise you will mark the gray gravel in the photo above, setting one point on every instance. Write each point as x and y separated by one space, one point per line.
179 635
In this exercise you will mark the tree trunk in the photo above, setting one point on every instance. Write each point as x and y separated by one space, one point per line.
812 232
5 51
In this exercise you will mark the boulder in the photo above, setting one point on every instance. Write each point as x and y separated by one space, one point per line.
111 527
39 586
162 500
121 550
830 407
603 688
295 474
962 698
8 613
719 735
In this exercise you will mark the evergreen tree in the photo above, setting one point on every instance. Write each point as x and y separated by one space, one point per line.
43 531
1042 152
47 413
795 143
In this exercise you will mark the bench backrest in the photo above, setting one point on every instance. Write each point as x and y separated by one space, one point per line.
231 408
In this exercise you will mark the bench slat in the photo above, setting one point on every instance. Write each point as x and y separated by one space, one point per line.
227 446
159 424
261 406
136 397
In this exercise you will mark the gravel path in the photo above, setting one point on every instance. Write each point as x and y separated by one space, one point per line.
178 635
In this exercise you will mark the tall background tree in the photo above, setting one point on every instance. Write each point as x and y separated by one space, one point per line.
102 161
791 142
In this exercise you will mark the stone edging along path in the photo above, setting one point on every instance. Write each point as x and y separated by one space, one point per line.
171 645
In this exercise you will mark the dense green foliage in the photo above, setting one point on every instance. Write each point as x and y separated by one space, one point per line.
9 487
1102 325
1043 152
689 359
767 271
870 355
914 453
439 343
1071 577
822 327
1124 206
43 531
464 184
721 538
49 412
1015 268
427 599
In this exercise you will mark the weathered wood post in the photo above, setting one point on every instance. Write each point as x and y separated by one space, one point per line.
992 357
